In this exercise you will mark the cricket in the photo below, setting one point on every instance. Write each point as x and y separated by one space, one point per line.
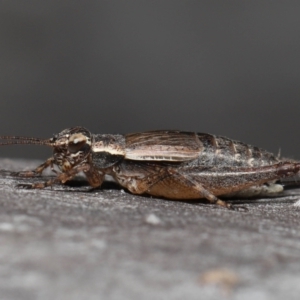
164 163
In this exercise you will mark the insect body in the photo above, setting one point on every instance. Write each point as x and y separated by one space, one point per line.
169 164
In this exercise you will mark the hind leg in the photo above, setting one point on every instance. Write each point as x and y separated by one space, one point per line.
178 186
164 182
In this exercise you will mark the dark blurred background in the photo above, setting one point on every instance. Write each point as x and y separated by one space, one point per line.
225 67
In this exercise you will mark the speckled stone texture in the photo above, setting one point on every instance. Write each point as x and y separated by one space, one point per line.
71 243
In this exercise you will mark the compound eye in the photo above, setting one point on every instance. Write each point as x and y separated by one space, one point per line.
78 142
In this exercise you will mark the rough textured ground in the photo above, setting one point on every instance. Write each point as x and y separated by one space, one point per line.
69 243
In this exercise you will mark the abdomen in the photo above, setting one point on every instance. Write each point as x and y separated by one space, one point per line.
223 152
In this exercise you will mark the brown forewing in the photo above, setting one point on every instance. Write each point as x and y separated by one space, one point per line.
162 145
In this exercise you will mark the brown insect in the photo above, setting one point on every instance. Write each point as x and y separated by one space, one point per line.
169 164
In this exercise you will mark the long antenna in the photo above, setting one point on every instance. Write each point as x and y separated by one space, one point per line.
21 140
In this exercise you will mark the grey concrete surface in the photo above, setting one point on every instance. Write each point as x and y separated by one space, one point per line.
71 243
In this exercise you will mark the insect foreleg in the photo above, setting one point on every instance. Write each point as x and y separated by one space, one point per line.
37 171
60 178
